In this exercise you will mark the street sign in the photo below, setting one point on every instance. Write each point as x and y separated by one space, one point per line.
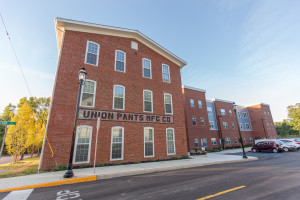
7 123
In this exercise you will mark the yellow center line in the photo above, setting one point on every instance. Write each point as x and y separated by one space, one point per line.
223 192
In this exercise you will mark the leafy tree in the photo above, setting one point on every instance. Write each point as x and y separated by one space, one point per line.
284 129
294 116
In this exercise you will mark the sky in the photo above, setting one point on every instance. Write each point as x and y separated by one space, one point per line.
246 51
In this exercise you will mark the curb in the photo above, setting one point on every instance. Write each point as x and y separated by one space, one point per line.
54 183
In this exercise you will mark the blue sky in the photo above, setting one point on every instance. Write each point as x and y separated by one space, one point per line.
243 51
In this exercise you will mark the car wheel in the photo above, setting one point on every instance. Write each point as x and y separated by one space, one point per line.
274 150
254 150
285 149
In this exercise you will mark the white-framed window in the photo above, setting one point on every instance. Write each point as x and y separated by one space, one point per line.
200 103
209 111
192 103
83 140
223 112
233 126
250 140
247 125
202 121
117 143
213 141
245 115
241 126
225 124
148 142
196 143
168 103
88 94
148 105
92 53
170 141
268 125
211 124
235 140
120 61
119 97
239 114
244 139
204 142
134 45
228 140
166 73
147 68
194 121
230 112
265 113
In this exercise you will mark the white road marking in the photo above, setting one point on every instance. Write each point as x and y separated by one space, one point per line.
18 195
67 194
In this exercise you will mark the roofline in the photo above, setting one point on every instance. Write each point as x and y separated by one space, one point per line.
63 24
193 88
232 102
264 104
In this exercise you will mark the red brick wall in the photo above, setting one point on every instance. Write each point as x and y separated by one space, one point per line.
62 116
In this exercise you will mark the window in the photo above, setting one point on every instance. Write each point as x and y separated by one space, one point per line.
119 97
245 115
83 144
120 64
239 114
192 103
92 53
88 94
148 106
268 125
149 141
117 141
209 111
134 45
200 103
233 125
211 124
228 140
230 112
223 112
247 126
241 126
244 139
204 142
202 121
166 73
168 104
272 125
225 124
265 113
213 141
268 113
147 68
235 140
196 143
194 121
170 141
250 140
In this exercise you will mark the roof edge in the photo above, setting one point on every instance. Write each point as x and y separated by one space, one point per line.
193 88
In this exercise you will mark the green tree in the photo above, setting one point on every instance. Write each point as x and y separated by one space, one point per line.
294 116
284 129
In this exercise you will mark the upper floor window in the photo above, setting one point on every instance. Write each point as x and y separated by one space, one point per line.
202 121
119 97
211 124
268 125
147 68
192 103
120 64
88 94
241 126
239 114
230 112
148 105
245 115
233 125
265 114
194 121
92 53
223 112
200 103
166 73
225 124
209 111
168 104
268 113
247 126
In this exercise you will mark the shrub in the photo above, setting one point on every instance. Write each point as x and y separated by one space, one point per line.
151 160
82 166
100 165
185 157
117 163
59 167
137 162
175 158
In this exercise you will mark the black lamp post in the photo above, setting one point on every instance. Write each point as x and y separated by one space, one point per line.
81 81
238 125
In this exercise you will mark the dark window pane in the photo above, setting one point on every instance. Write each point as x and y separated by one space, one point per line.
87 99
120 66
91 59
147 73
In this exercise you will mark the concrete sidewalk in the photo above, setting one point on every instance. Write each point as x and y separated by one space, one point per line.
125 170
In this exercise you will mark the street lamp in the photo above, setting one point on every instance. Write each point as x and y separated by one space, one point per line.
81 81
238 125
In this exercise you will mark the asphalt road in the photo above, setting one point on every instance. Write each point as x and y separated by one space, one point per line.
273 176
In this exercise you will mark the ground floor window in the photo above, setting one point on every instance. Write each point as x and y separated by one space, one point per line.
204 142
196 143
244 140
213 141
83 144
228 140
149 141
235 140
170 141
117 143
250 140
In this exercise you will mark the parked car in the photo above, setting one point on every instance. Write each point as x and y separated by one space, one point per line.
273 146
291 142
287 147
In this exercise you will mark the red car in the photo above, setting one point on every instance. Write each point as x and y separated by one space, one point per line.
272 146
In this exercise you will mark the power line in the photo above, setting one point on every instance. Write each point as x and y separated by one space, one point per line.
16 56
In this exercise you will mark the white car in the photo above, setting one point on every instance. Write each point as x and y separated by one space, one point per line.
290 142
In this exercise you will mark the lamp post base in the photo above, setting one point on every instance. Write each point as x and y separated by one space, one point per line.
69 174
245 157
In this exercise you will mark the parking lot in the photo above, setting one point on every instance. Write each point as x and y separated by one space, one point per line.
264 155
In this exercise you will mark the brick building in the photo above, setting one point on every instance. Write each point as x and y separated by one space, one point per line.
134 86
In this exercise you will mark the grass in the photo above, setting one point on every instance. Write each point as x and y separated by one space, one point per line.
23 167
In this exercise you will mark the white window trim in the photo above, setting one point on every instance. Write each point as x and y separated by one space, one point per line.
204 142
143 68
116 61
226 141
215 140
232 125
210 111
111 139
162 69
213 124
151 101
223 113
200 104
236 141
193 121
226 124
196 142
239 114
86 51
241 125
171 104
76 141
173 141
201 121
89 93
152 143
191 103
114 98
244 114
248 126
